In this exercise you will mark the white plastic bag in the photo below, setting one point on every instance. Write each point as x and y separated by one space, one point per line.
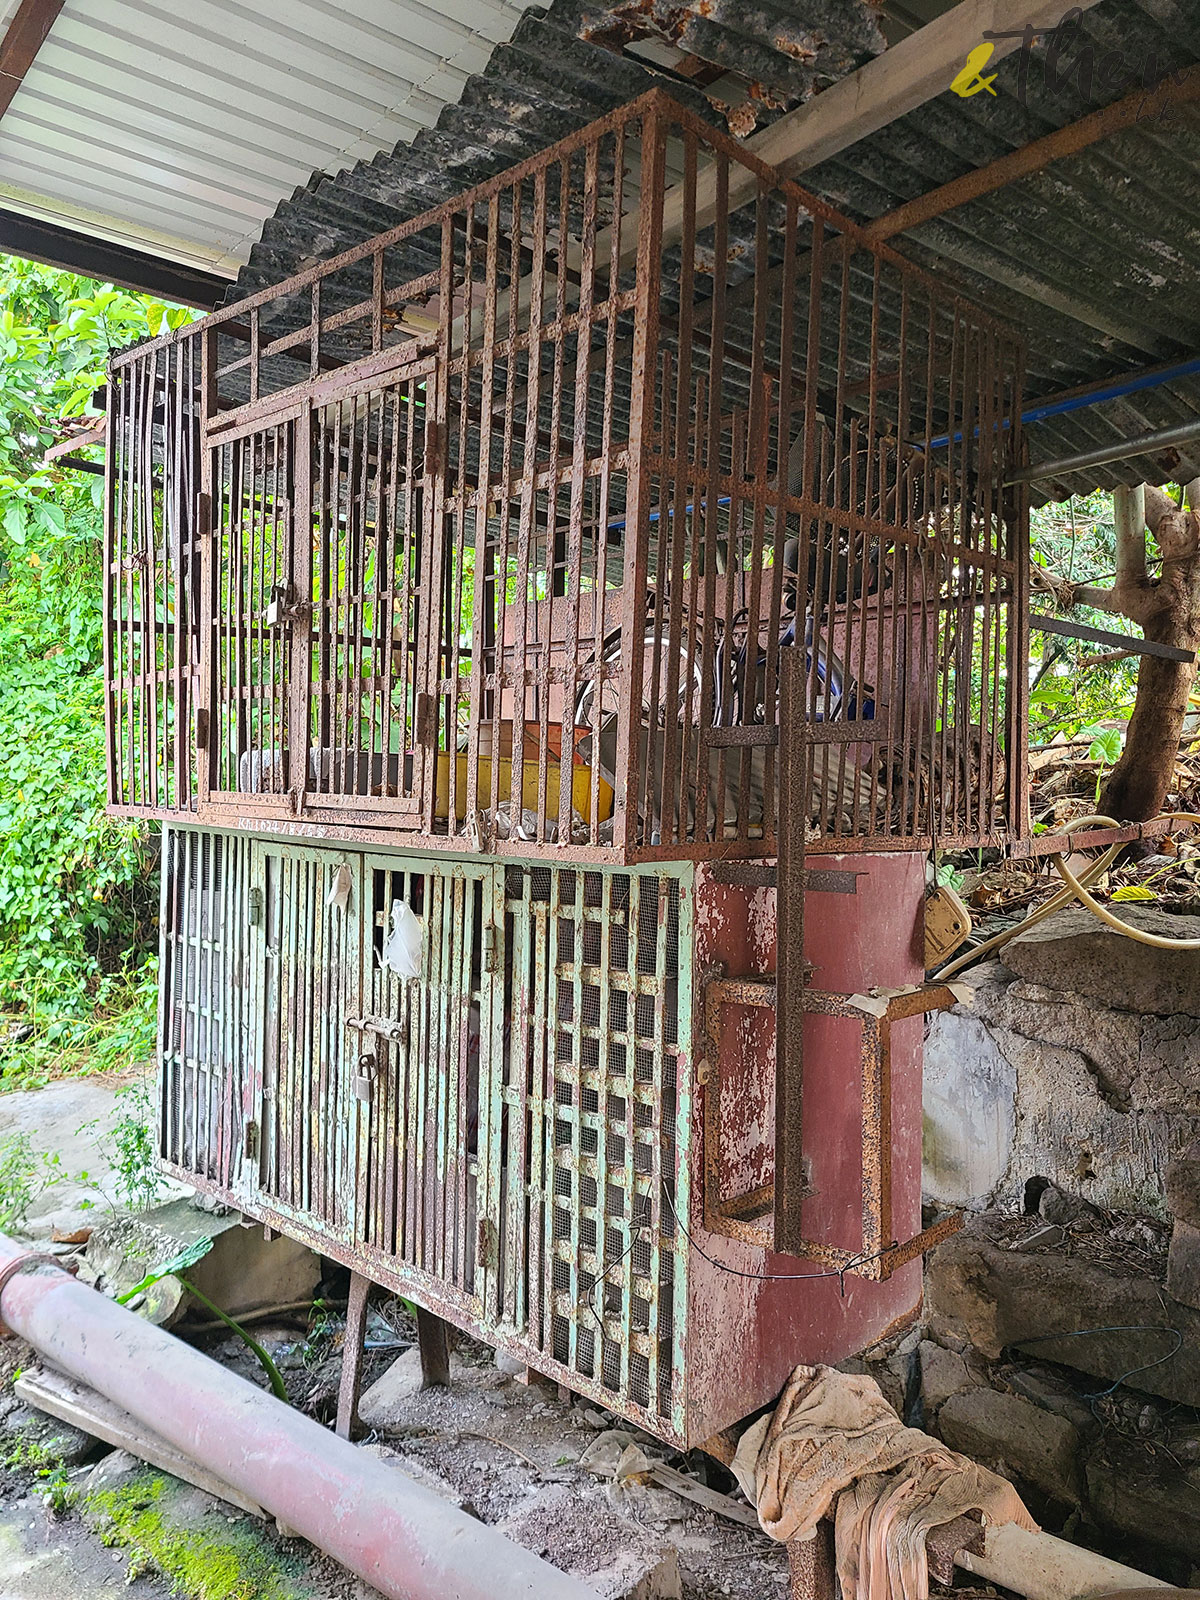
402 946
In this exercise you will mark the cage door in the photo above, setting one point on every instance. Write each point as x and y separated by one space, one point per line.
305 915
368 557
253 608
427 1033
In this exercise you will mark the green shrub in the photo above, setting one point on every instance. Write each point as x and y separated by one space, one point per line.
77 890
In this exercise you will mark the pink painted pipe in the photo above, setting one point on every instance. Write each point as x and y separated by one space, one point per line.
394 1533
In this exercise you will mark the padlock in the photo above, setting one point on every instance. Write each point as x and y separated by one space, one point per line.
368 1066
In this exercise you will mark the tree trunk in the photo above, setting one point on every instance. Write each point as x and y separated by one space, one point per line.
1169 611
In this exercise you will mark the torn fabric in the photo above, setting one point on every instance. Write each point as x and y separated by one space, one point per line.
834 1445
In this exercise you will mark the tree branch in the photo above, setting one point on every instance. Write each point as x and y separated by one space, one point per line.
1129 523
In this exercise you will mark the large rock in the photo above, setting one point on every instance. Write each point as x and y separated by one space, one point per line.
970 1112
1109 1040
613 1555
1015 1437
1001 1108
1074 951
1183 1265
242 1271
1048 1305
1132 1493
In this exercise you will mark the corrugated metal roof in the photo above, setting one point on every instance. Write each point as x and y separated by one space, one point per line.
562 69
1095 257
177 129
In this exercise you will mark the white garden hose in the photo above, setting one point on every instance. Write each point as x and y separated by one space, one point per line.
1077 889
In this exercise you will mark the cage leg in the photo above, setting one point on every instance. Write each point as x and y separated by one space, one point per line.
352 1355
434 1342
811 1566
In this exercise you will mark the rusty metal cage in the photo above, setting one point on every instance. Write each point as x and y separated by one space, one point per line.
494 1133
494 531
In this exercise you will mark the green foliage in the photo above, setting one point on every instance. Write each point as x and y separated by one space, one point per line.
1076 540
76 889
25 1173
180 1262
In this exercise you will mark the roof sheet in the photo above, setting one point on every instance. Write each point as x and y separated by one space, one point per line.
178 128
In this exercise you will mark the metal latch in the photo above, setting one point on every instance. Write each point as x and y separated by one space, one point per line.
284 606
254 914
250 1141
489 948
368 1067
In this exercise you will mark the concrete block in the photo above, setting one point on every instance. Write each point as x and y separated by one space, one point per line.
1074 951
1014 1436
242 1272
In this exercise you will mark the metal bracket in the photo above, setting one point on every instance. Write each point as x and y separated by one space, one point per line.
753 1216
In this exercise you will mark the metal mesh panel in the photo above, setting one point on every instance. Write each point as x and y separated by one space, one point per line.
595 1266
205 1037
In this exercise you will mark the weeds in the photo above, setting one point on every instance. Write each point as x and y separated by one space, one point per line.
25 1175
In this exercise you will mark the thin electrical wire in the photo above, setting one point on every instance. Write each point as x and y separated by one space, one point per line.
776 1277
1138 1327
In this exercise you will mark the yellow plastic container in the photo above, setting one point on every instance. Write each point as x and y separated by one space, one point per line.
581 788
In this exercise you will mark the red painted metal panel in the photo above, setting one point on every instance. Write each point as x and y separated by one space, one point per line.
746 1333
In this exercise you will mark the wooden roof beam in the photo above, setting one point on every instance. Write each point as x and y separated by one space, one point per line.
25 36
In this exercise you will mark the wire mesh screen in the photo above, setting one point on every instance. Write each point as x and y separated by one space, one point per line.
152 578
206 1028
596 1109
580 455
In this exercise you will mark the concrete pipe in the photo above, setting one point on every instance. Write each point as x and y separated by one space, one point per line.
394 1533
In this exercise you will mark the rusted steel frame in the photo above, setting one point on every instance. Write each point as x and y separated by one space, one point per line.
654 99
792 971
1017 623
557 330
880 1254
658 604
641 427
508 515
758 415
736 1216
676 499
526 488
417 288
113 457
1178 88
352 1356
574 573
608 456
317 390
812 1573
549 477
484 554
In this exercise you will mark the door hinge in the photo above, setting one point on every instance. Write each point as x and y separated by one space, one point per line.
250 1140
254 915
489 949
